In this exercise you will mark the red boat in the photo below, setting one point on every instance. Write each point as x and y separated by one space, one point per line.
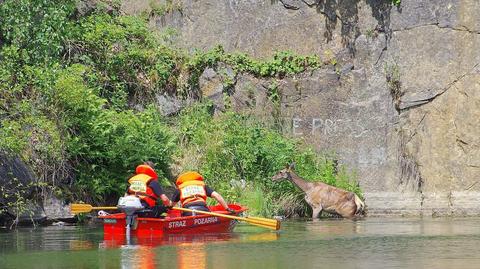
173 223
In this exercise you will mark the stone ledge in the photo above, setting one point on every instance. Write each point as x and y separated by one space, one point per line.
455 203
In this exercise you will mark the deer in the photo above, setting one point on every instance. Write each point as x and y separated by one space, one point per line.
323 197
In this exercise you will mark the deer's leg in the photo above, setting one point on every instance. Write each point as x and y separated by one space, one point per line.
316 212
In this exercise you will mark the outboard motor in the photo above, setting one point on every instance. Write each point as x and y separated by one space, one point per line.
129 205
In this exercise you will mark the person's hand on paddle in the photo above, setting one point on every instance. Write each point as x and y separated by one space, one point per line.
169 205
231 211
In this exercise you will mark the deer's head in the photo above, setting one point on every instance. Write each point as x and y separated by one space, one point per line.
284 173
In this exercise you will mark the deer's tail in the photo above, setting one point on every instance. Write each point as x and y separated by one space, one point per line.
360 205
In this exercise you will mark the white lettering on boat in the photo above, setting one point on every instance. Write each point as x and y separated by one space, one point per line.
205 220
177 224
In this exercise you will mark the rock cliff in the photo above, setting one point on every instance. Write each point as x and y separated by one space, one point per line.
399 101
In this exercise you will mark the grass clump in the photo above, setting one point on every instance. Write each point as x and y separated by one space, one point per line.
158 9
396 2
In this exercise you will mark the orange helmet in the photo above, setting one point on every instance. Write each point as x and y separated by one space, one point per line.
188 176
147 170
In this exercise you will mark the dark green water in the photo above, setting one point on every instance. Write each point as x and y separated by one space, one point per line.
370 243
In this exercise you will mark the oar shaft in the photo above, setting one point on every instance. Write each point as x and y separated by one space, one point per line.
104 208
209 213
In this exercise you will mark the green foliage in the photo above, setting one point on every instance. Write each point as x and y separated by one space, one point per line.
392 75
15 199
106 144
129 61
273 93
283 63
162 9
37 28
396 2
238 156
258 201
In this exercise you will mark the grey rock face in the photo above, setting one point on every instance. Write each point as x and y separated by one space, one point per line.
16 179
169 105
401 106
56 209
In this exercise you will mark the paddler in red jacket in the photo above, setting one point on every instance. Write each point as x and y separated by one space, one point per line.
192 193
144 184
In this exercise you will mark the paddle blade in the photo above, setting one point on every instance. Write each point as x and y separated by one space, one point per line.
80 208
272 225
270 221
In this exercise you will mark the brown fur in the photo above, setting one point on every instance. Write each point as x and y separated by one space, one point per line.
323 197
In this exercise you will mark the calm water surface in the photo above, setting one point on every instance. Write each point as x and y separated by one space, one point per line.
370 243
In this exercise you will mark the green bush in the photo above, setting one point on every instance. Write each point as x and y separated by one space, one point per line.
129 61
37 27
104 144
396 2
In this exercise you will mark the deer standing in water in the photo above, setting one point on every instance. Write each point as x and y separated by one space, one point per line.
321 196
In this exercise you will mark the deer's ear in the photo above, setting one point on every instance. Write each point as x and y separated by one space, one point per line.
291 166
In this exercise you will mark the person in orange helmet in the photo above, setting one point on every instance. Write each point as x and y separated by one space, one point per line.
192 193
144 184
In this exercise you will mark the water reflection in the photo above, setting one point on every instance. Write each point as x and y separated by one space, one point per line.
117 241
137 257
191 255
81 245
190 250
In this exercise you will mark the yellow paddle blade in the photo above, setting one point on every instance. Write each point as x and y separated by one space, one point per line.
80 208
270 225
85 208
271 221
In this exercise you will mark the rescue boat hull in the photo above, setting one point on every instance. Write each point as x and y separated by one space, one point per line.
174 223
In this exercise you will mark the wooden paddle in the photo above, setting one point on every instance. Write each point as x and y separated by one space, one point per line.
262 222
271 221
85 208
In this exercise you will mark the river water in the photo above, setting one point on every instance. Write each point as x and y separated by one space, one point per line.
370 243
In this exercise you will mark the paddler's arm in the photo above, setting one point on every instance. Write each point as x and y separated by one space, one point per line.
165 200
220 199
175 198
157 189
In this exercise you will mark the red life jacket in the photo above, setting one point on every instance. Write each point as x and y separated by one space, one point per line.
139 184
192 188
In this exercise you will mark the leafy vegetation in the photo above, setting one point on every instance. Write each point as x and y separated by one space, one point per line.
392 75
167 7
396 2
70 84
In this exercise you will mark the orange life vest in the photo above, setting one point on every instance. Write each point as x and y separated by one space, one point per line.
192 188
139 187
